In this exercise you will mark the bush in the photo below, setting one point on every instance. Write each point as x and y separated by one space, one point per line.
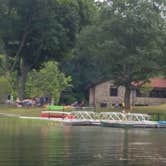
4 89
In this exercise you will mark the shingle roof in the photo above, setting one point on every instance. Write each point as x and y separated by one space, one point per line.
158 82
153 82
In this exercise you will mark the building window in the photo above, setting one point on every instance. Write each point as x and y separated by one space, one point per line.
158 92
138 93
113 91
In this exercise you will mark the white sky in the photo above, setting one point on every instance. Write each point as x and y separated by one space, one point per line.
99 0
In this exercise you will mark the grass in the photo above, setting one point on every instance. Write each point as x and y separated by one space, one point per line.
24 111
139 109
35 111
151 109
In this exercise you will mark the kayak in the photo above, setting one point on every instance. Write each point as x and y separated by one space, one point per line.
162 124
58 107
56 114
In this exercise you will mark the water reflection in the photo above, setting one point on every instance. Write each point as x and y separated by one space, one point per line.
26 143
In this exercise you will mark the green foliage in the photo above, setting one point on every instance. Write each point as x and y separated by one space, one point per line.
36 31
146 89
2 64
5 89
132 40
125 43
87 12
48 81
46 28
39 30
11 77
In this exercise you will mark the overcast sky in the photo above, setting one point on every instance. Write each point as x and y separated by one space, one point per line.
99 0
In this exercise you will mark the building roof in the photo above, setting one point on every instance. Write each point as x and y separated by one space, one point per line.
153 82
158 82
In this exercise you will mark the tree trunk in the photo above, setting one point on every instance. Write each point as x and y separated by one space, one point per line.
22 85
127 97
52 101
17 83
6 63
22 42
23 78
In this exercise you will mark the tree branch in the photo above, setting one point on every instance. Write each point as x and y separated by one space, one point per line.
20 49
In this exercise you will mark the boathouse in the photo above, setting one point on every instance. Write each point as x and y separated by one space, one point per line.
106 94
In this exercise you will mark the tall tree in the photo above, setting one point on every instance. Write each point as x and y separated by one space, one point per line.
126 42
34 31
77 66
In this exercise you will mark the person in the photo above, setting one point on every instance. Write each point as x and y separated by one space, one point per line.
75 104
8 99
18 103
11 99
123 105
116 105
27 102
81 104
41 100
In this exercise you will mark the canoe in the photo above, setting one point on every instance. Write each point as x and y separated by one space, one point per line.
130 124
95 122
116 124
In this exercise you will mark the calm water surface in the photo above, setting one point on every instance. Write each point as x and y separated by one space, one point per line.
29 143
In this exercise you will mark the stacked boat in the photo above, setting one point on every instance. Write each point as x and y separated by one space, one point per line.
83 118
105 119
75 118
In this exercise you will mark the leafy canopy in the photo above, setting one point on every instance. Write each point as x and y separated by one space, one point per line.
126 41
38 30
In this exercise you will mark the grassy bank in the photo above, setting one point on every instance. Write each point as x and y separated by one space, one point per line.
35 112
139 109
151 109
156 112
24 111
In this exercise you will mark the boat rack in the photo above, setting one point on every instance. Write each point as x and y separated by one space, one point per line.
112 119
110 116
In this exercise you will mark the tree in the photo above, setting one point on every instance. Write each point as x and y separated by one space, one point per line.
2 64
78 66
126 42
87 12
48 81
35 31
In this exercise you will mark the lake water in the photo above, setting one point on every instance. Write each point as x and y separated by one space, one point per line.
29 143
